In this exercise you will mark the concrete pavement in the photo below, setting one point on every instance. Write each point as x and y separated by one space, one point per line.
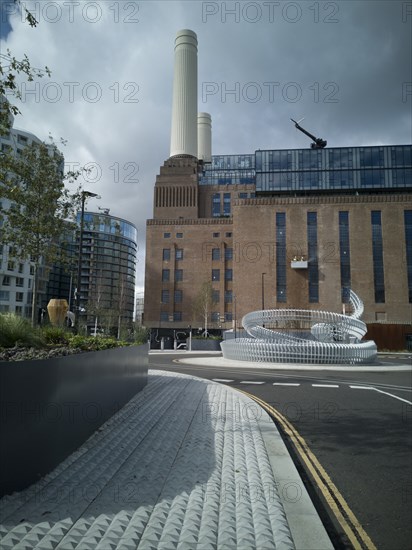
187 464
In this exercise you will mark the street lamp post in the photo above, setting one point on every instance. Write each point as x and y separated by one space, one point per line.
84 194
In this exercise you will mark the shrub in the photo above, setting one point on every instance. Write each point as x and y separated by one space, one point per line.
15 331
94 343
55 335
141 335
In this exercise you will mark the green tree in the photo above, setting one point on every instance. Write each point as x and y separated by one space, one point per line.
203 302
40 207
10 68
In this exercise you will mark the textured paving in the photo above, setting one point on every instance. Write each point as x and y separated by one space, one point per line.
183 465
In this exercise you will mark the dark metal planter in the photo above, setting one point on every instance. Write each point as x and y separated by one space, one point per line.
48 408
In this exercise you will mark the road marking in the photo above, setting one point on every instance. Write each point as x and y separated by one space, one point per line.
394 396
250 382
347 519
325 386
284 384
221 380
380 391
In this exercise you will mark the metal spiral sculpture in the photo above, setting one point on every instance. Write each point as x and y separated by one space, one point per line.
307 336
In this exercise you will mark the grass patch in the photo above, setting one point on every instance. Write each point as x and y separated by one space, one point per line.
17 331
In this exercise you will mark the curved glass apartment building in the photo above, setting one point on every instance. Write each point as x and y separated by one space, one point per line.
108 271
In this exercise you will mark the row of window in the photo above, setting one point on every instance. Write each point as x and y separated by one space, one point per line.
216 254
178 275
221 207
216 317
178 296
215 235
5 296
18 310
19 281
345 266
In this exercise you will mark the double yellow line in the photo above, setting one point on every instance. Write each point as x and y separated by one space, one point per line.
344 515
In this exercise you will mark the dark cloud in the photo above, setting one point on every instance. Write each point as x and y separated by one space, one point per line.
341 65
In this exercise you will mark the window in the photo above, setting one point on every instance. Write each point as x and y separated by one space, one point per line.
228 274
4 308
165 296
408 243
215 235
177 316
10 265
32 270
19 281
345 279
178 274
216 205
166 254
216 254
19 296
313 273
242 195
21 268
165 275
166 235
216 296
6 280
229 254
164 316
377 254
215 274
4 295
229 234
228 316
281 256
178 296
179 235
226 204
19 310
228 296
179 254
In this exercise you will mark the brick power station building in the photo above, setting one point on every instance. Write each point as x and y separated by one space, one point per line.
293 228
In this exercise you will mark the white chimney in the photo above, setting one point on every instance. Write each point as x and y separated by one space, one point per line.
184 109
204 137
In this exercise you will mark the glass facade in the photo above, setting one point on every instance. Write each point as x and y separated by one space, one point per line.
344 247
377 254
108 269
313 271
281 256
301 170
408 243
229 170
337 169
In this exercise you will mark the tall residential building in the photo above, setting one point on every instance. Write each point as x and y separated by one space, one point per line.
16 275
108 272
279 228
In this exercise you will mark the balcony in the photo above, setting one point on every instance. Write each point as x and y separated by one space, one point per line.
300 263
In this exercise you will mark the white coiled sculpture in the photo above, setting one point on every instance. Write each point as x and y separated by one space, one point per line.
303 336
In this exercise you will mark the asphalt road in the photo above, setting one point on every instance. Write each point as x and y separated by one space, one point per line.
359 427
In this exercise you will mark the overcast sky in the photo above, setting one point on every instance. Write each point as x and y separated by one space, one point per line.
343 65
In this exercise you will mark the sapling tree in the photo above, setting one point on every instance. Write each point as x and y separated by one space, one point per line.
39 208
203 302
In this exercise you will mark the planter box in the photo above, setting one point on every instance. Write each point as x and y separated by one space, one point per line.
203 344
50 407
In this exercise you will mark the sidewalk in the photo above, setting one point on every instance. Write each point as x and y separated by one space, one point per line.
187 464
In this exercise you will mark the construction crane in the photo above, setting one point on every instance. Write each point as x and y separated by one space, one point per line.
318 143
